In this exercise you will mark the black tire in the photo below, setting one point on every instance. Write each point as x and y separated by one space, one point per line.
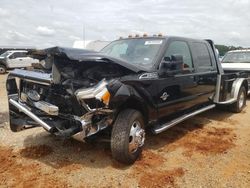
238 106
2 69
121 139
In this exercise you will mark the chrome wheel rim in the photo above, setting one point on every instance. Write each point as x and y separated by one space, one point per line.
241 100
1 70
136 137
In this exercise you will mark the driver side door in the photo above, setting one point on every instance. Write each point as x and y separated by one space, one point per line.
179 91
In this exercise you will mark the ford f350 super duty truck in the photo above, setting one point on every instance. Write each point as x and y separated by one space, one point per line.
132 84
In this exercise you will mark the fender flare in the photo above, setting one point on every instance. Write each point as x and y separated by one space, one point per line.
1 63
236 87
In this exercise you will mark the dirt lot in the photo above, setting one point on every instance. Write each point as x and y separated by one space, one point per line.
210 150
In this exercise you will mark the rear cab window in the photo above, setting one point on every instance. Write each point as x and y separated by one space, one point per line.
202 57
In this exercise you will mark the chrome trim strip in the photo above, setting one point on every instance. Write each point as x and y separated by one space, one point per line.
196 73
37 82
47 107
230 101
153 75
37 77
217 89
170 124
30 114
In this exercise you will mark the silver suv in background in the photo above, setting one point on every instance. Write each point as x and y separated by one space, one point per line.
15 59
237 60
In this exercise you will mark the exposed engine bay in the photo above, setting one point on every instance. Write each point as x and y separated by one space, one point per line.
70 96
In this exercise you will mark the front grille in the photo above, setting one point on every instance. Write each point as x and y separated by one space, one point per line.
55 95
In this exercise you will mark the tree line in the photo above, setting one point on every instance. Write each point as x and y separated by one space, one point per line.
224 49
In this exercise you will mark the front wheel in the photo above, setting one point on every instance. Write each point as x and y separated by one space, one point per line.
241 101
128 136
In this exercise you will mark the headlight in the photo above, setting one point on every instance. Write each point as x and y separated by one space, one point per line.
106 97
100 92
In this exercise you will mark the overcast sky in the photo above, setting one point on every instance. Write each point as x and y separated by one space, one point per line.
60 22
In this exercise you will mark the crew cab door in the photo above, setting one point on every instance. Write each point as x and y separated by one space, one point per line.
205 69
179 91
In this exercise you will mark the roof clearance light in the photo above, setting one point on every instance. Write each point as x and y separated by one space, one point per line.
120 37
137 35
130 36
145 35
160 35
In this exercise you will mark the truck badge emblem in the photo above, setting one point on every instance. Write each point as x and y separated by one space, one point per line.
164 96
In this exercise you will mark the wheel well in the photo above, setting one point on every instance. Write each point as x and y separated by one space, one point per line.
2 64
245 84
137 105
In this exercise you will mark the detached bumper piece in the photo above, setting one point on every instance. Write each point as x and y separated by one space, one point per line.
30 114
60 127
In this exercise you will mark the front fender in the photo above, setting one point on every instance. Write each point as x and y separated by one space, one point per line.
127 96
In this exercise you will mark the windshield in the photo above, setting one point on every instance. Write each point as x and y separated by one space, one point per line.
139 52
237 57
5 54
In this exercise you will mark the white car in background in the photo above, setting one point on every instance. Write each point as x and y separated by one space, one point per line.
237 60
15 59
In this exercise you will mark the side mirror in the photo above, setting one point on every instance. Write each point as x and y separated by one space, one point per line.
171 65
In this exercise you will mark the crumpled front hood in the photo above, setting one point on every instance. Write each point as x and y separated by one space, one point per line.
82 56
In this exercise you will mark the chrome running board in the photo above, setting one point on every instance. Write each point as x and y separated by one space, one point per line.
162 127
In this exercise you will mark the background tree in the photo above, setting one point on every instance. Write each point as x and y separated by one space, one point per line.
224 49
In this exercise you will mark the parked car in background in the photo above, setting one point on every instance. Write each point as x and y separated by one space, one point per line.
237 60
15 59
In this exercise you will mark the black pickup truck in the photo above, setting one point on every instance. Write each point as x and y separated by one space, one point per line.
132 84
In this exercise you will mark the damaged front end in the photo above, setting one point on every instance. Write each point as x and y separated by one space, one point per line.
69 97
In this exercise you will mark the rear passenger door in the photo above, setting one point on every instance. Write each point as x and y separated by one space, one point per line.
205 69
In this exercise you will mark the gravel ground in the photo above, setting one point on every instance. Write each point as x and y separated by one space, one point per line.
209 150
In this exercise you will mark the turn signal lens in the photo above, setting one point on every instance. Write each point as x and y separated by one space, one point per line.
106 97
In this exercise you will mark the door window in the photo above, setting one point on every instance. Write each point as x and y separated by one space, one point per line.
180 48
18 55
202 55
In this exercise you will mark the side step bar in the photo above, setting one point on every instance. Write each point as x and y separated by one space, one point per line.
162 127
